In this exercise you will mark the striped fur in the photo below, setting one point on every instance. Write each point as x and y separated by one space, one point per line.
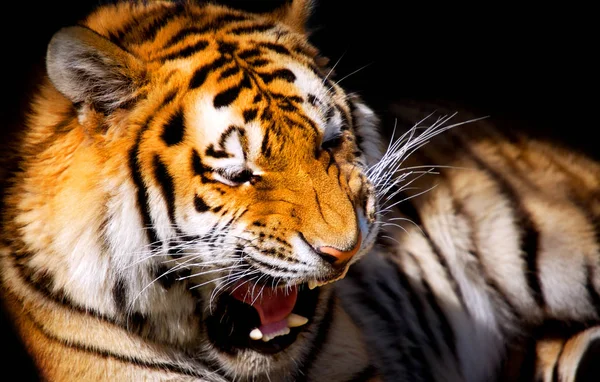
497 240
175 153
177 150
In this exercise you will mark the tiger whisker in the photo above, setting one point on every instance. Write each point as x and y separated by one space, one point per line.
412 196
260 292
207 272
232 281
385 224
242 276
333 67
208 282
348 75
391 238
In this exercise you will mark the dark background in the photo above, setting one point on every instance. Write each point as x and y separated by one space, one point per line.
530 66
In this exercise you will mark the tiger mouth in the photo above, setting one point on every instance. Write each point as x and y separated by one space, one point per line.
267 322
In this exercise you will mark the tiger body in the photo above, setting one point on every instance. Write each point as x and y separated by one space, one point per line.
480 253
179 153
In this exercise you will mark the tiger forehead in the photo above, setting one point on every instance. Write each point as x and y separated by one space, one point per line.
158 33
246 80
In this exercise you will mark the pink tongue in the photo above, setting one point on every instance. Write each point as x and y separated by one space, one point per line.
272 306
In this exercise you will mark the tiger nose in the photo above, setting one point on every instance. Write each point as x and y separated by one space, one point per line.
336 256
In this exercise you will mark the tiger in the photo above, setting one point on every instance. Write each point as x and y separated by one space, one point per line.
196 198
189 182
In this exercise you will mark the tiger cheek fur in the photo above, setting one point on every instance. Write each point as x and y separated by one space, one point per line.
179 153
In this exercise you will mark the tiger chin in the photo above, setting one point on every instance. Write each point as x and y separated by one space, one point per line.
190 181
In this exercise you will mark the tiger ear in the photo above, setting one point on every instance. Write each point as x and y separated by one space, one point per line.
294 14
88 68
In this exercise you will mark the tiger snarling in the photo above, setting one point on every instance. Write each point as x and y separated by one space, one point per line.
191 179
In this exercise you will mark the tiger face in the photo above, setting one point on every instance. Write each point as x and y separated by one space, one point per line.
224 171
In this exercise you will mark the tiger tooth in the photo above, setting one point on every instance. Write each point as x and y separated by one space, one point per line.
312 284
295 320
256 334
269 337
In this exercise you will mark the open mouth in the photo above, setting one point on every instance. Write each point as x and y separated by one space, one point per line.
260 317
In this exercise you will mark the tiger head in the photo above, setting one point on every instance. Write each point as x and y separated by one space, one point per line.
201 180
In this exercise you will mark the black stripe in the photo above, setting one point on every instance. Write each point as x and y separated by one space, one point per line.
169 97
227 97
200 75
229 72
591 288
40 284
119 292
165 276
449 276
555 373
165 181
102 353
136 322
399 349
212 152
270 266
265 148
246 82
287 106
259 62
406 206
249 53
281 74
530 238
142 193
346 122
260 28
228 18
418 307
286 97
250 114
227 47
174 129
182 35
198 30
530 245
200 204
491 284
186 52
275 47
229 132
175 252
197 166
149 32
352 119
319 341
310 123
117 36
267 115
432 302
318 203
200 169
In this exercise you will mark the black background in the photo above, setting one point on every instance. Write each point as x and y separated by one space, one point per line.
529 65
